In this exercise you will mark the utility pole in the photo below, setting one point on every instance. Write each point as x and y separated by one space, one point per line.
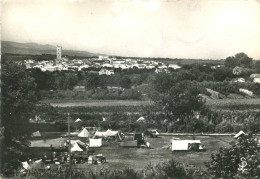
69 144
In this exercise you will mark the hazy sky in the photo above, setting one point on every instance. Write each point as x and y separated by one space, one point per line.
153 28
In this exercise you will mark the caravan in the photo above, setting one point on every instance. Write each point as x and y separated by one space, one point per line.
186 145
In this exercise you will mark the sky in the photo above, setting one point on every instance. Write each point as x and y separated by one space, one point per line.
203 29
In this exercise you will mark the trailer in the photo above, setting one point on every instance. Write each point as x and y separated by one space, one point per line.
186 145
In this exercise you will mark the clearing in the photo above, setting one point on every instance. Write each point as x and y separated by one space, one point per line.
137 158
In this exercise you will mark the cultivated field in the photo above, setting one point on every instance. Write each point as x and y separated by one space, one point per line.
98 103
217 103
137 158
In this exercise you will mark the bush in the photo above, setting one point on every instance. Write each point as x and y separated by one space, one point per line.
226 163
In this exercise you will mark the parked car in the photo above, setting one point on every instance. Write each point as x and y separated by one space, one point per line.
152 133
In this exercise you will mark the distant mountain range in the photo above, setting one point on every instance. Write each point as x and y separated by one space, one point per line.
38 49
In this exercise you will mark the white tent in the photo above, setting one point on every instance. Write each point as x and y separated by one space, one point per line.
78 120
140 119
182 144
108 133
84 133
95 142
36 134
26 165
100 134
37 164
73 142
239 134
76 147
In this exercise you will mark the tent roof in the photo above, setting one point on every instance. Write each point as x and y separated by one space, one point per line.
141 119
37 164
111 133
36 134
100 134
78 120
26 165
239 134
84 133
76 147
108 133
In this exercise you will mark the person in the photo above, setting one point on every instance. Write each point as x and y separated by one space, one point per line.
51 147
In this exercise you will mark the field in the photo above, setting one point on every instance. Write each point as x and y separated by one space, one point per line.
97 103
136 158
239 104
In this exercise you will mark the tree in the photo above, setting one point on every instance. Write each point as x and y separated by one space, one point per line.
92 81
240 59
182 101
163 82
125 82
227 162
19 95
222 74
257 66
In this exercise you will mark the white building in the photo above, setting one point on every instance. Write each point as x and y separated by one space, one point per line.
106 72
174 66
256 78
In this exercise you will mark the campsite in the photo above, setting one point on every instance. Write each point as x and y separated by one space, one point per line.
118 157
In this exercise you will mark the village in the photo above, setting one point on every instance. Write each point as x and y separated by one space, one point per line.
106 64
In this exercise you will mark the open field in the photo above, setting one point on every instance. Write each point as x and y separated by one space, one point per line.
98 103
136 106
235 104
137 158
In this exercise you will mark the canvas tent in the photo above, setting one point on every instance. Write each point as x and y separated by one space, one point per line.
37 164
36 134
76 147
73 142
95 142
84 133
99 134
140 119
239 134
108 133
78 120
26 165
179 145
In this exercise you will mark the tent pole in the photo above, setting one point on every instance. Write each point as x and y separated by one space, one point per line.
69 144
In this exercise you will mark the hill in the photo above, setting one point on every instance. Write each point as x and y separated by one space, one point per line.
38 49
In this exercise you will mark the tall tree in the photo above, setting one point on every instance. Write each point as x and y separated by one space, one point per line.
182 100
19 95
240 59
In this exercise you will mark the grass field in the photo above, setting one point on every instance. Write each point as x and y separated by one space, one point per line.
137 158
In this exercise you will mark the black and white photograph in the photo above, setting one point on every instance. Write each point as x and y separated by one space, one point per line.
130 89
